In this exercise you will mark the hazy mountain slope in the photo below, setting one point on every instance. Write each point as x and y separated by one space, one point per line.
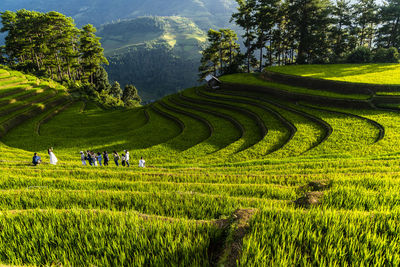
205 13
159 55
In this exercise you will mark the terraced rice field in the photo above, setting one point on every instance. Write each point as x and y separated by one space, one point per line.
249 175
377 73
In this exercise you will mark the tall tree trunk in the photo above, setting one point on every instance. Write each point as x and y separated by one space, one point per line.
220 61
59 74
230 55
248 51
394 33
270 52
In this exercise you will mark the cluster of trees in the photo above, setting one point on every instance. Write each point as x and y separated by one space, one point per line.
222 54
50 45
279 32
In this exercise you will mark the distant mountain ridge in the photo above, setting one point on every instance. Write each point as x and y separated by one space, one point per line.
205 13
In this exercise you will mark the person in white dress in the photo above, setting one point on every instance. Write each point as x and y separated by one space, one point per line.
142 163
53 158
127 157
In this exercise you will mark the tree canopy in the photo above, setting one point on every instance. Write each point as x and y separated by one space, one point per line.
310 31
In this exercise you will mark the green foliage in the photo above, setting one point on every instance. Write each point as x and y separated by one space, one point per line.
116 90
315 31
119 239
389 33
383 55
222 54
108 101
130 96
92 52
361 54
244 17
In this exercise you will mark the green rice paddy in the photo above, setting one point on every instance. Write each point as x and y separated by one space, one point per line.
233 177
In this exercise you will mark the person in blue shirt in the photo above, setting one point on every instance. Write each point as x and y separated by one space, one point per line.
36 159
99 158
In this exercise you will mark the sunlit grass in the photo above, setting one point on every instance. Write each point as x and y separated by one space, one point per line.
205 158
358 73
255 79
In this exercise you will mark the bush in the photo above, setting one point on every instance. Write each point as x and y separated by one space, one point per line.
360 55
109 102
386 55
132 104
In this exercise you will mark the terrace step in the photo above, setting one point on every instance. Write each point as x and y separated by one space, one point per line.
37 98
233 121
326 85
13 83
176 120
33 111
294 96
4 73
323 124
220 124
286 123
248 141
380 100
377 125
252 115
9 92
50 115
20 96
205 122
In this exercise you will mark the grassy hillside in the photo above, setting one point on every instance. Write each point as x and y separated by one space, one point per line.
139 50
257 173
384 73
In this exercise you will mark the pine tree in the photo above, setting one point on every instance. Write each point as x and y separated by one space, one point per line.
211 60
389 32
311 21
245 18
221 54
130 96
100 80
365 21
91 52
230 51
116 90
341 40
266 15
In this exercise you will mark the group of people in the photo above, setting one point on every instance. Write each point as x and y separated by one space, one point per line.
96 159
37 160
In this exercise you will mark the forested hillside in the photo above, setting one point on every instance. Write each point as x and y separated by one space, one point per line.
160 55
